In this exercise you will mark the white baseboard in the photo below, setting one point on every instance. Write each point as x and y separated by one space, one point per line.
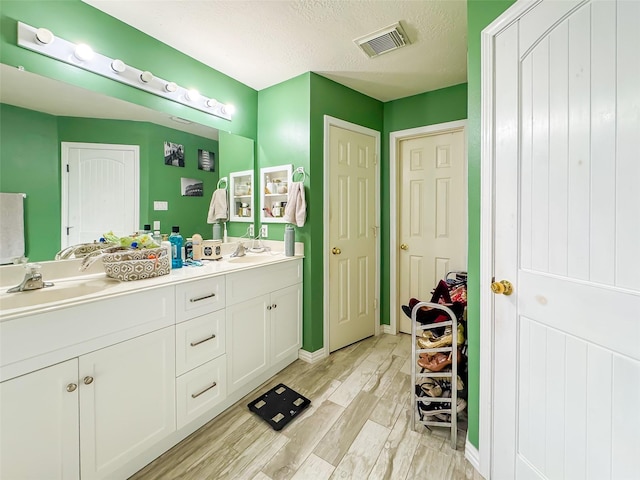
312 357
472 454
387 329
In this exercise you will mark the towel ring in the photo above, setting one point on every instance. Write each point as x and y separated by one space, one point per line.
301 171
223 179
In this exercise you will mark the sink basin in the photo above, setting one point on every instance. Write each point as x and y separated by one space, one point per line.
249 259
59 292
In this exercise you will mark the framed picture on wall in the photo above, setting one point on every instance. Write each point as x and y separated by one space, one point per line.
206 160
173 154
191 187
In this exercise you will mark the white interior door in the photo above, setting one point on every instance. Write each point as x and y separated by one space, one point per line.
566 202
352 236
100 191
432 211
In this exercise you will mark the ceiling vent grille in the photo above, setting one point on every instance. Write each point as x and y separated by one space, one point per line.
383 41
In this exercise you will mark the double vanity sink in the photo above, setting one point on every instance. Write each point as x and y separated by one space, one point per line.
99 377
69 286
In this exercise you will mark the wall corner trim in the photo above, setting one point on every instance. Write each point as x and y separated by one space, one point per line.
472 454
312 357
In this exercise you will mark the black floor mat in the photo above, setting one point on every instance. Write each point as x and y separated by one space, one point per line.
279 406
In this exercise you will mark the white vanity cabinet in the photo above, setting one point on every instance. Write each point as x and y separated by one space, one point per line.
39 424
127 401
89 415
264 321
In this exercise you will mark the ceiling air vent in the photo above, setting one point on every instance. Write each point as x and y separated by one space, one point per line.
383 41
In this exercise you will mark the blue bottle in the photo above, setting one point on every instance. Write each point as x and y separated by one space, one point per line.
176 247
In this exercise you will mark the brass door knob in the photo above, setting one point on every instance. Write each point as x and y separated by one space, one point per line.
336 251
503 287
404 246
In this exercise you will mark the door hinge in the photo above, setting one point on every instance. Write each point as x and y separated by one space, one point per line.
375 231
375 303
67 168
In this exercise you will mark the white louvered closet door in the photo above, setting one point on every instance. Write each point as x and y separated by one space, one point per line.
567 235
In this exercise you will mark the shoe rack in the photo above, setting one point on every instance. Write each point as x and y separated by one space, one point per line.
443 407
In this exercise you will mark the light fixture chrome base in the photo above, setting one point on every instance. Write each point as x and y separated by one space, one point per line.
115 69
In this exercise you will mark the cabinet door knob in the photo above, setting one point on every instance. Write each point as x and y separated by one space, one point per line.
274 305
268 307
87 380
71 387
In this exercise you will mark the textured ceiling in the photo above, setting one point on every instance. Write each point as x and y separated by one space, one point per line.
264 42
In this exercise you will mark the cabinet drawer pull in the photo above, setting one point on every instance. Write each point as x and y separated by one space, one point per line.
71 387
195 344
196 395
87 380
192 300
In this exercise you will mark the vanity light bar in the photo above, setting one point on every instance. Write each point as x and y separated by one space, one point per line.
42 41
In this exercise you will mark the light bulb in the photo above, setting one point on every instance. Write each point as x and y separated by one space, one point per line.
44 36
83 52
228 109
146 77
171 87
212 102
191 95
118 66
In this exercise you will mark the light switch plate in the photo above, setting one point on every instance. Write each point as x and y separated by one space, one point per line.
156 225
251 232
160 205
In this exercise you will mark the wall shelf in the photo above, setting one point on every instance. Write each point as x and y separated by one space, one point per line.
241 202
274 192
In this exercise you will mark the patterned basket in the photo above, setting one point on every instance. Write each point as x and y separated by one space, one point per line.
130 265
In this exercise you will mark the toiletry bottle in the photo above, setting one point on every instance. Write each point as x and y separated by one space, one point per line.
147 229
289 241
217 231
157 237
176 247
188 249
197 246
224 235
166 244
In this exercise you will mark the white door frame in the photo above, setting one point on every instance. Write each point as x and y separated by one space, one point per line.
64 186
485 431
328 122
394 140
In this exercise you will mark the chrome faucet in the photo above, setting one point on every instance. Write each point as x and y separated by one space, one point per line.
32 280
241 251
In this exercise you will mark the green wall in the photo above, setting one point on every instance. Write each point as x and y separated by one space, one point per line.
283 138
30 163
429 108
480 13
76 21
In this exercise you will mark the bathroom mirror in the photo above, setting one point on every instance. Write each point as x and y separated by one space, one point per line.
37 114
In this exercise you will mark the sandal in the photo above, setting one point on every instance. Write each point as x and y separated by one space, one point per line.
431 388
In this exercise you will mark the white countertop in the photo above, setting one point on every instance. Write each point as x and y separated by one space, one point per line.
95 285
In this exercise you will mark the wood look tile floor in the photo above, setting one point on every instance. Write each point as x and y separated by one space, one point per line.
357 427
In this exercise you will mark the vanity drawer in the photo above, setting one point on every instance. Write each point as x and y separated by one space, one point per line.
199 340
197 298
201 389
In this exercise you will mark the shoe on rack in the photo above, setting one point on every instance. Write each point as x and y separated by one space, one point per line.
442 341
429 387
426 315
438 361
